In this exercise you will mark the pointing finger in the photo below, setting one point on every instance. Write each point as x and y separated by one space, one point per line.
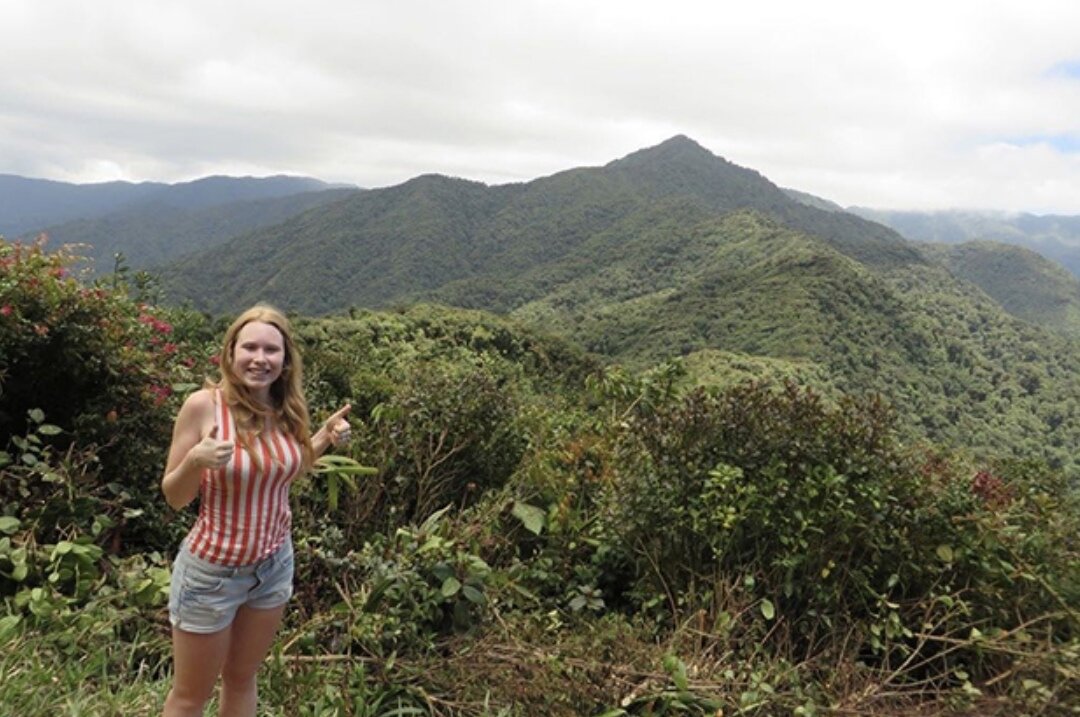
341 413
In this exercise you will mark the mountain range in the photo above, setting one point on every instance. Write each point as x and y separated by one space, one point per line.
441 238
675 252
151 223
1055 237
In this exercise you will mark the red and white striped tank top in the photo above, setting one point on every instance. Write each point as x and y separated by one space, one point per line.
244 513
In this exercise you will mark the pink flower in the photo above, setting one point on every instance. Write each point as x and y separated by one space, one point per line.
6 310
162 327
160 394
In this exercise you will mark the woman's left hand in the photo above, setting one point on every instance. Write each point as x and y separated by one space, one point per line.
337 426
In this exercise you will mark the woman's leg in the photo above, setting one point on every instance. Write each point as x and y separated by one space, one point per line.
252 633
197 662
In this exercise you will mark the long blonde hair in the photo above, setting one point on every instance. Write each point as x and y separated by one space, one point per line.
288 408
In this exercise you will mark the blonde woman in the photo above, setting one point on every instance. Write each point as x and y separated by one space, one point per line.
237 445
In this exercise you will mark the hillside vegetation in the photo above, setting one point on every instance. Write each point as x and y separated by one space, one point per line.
539 534
1054 237
30 206
959 369
152 233
1023 282
396 244
671 251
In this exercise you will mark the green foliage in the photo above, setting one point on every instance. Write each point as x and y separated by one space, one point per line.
101 366
542 537
55 516
806 500
441 398
101 660
337 471
402 591
777 504
713 368
449 432
1025 284
672 252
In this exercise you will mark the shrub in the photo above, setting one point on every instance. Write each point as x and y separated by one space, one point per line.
55 515
823 511
400 592
103 368
447 434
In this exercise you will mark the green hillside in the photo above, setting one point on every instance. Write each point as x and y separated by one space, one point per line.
1026 284
672 251
958 368
1054 236
401 243
153 232
518 530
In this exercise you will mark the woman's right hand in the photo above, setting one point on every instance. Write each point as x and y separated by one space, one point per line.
210 452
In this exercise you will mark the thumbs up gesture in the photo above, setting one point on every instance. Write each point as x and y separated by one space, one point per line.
210 452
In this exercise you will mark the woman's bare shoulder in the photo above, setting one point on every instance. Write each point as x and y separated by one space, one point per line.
201 402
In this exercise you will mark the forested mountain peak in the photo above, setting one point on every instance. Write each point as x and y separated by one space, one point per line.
432 180
680 146
680 165
412 240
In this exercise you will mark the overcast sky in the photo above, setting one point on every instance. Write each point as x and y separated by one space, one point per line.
913 105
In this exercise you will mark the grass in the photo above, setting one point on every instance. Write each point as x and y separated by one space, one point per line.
41 675
516 666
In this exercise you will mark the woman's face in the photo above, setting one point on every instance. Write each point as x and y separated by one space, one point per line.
258 357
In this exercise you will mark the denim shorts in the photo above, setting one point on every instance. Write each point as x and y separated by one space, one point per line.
204 596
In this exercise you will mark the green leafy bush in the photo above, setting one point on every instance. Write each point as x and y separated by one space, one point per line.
823 515
446 435
105 370
400 591
806 500
532 543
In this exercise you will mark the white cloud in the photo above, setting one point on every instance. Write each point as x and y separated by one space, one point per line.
921 104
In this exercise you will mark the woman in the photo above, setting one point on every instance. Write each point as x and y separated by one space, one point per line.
237 445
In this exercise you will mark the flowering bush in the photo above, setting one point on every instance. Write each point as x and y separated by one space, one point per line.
103 367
